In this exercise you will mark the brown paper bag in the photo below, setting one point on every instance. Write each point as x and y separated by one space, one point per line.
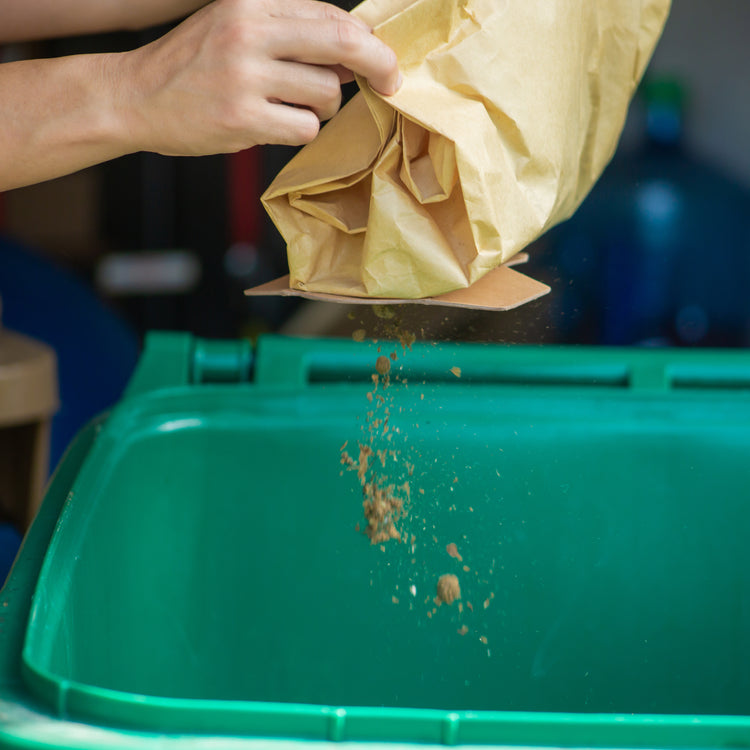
508 113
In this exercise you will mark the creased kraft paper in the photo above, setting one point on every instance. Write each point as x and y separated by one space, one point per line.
508 113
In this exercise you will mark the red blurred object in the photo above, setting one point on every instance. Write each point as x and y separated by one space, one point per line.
245 180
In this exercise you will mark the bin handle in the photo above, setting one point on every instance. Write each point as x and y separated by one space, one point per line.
301 362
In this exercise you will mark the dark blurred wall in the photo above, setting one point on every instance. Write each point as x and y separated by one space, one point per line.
706 44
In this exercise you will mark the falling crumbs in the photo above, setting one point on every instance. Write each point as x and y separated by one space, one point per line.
452 550
385 475
448 589
384 502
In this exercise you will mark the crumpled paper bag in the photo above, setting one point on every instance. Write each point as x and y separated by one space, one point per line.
508 113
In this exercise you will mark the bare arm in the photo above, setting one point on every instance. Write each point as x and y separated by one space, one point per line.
26 20
234 74
57 116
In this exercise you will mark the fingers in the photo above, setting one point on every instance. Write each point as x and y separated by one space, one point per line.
338 42
289 126
345 75
310 86
315 10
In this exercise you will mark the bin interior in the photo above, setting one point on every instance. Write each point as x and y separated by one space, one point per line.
209 550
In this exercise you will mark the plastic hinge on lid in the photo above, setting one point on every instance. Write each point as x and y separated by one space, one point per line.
222 361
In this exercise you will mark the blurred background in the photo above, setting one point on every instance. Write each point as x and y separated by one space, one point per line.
657 255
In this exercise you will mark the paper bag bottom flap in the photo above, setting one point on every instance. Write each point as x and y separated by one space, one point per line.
500 289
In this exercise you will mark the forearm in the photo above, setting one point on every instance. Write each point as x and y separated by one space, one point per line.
235 74
58 116
26 20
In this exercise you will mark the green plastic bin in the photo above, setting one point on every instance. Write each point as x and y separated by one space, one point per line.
195 577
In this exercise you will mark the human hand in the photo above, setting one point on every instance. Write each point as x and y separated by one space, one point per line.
243 72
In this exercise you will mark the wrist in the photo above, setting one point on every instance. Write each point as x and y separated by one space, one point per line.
121 119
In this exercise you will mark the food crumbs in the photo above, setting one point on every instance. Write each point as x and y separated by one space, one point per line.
452 550
486 603
383 365
456 371
384 312
466 568
393 356
429 614
463 630
483 638
359 334
460 607
394 599
448 589
470 606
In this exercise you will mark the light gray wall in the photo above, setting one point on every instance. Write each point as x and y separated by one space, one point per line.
707 43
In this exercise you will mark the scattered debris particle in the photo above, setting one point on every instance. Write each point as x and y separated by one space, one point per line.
448 589
383 365
456 371
384 312
452 550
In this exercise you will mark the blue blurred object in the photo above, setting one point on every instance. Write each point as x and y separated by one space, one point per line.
96 350
10 541
659 253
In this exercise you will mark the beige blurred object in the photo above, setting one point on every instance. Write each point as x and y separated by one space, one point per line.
59 217
28 399
508 114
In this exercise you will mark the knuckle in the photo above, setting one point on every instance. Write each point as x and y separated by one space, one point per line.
348 36
238 35
330 12
330 88
232 117
306 130
391 61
